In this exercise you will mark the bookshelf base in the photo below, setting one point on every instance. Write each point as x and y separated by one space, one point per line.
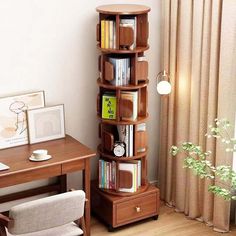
116 211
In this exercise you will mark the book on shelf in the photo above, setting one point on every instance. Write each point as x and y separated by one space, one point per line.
107 174
129 176
109 106
131 140
108 34
107 38
126 135
102 33
130 21
129 105
121 71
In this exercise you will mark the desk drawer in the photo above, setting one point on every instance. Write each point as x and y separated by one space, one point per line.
30 175
136 208
73 166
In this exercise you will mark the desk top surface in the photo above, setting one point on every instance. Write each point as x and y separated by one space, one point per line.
62 151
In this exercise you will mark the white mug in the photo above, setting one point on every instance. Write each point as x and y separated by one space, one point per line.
40 153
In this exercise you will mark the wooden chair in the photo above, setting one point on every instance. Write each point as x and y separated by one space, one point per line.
58 215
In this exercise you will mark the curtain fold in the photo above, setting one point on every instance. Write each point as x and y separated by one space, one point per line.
199 53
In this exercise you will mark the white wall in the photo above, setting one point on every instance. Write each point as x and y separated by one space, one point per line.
50 45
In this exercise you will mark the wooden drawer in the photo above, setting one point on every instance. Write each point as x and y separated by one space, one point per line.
73 166
30 175
136 208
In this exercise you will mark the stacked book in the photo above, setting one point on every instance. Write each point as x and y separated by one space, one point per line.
121 71
107 174
108 34
130 21
133 182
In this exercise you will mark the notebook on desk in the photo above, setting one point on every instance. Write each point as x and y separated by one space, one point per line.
3 166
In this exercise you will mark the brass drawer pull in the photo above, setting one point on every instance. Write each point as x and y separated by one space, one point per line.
138 209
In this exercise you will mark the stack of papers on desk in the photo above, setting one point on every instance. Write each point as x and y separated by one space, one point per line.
3 166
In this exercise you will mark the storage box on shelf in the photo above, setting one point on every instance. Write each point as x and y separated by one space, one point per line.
122 35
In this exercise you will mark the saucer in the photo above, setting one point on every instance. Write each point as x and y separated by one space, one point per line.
46 157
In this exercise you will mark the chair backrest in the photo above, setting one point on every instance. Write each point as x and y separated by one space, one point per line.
47 212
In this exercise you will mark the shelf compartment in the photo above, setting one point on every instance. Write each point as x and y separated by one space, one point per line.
133 137
131 33
126 106
126 159
115 69
122 177
123 70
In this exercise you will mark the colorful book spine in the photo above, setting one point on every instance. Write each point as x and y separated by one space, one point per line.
100 173
106 34
131 141
111 38
107 173
102 33
114 35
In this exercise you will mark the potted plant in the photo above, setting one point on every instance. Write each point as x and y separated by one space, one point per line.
197 160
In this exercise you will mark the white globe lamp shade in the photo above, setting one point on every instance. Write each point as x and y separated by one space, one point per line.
163 87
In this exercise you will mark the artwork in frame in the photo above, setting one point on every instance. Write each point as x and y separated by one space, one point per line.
13 121
46 123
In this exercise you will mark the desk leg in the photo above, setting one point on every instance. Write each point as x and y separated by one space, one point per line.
86 183
63 185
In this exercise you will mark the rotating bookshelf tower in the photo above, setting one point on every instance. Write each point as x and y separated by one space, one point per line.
122 194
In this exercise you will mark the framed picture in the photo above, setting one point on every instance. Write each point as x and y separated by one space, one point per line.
13 121
46 123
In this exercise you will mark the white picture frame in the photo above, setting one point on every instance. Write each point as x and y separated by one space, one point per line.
46 123
13 120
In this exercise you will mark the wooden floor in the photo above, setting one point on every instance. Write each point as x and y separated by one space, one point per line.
169 223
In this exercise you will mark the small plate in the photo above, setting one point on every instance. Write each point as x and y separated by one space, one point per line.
47 157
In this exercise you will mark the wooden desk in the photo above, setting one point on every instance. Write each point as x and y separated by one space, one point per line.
68 155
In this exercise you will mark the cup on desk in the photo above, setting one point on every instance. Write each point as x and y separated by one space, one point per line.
40 153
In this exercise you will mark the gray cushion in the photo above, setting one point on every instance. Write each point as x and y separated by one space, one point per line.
70 229
47 212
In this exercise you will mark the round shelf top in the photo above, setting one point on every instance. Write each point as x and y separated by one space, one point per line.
123 9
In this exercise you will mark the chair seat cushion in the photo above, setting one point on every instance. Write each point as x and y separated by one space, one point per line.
70 229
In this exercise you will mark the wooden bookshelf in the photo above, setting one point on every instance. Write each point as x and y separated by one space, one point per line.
122 36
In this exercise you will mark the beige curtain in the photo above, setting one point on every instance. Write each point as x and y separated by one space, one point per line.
199 52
